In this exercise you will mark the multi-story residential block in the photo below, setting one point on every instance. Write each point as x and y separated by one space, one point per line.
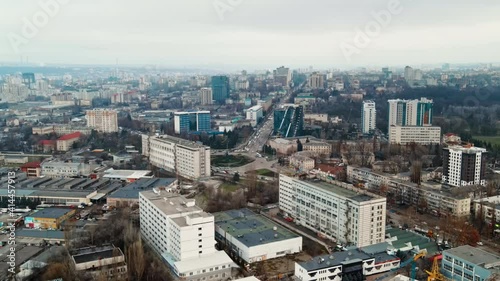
96 262
220 88
469 263
283 76
206 96
183 234
32 169
410 112
65 143
464 165
253 237
414 134
368 117
316 81
192 121
490 208
334 210
254 114
186 158
103 120
428 197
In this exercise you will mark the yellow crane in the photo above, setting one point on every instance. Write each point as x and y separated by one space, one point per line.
434 274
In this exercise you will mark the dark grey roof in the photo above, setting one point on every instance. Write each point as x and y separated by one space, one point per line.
51 213
43 234
95 254
132 190
334 259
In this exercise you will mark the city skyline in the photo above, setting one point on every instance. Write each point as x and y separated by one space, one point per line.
242 34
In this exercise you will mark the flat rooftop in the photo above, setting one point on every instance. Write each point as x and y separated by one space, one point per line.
127 174
95 253
171 203
131 191
203 262
251 229
336 258
51 213
179 141
353 194
475 256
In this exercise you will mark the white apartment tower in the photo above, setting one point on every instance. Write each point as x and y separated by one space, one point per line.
188 159
368 117
183 234
464 165
103 120
206 97
334 210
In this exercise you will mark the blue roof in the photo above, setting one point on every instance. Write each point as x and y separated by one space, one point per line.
51 213
35 233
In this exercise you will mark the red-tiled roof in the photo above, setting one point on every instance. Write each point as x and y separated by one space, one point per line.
70 136
31 165
331 169
47 142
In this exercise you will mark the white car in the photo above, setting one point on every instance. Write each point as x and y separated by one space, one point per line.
480 243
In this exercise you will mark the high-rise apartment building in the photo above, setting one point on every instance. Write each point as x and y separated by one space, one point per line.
183 234
283 76
368 117
334 210
220 88
188 159
464 165
409 73
410 112
289 121
206 97
103 120
316 81
192 121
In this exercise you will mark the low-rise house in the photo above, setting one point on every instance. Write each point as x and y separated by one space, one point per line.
107 261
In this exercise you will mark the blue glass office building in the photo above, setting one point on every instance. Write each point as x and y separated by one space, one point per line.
192 121
220 88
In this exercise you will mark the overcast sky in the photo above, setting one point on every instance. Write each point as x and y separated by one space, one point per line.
254 34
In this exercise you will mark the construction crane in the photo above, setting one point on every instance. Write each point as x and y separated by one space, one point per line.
434 274
412 261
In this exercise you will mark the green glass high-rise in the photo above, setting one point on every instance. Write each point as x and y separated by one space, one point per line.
220 88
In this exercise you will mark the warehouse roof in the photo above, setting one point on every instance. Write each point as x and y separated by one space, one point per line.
251 229
51 213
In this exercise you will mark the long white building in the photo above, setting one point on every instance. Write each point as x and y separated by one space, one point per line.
183 234
103 120
421 135
254 113
368 118
334 210
188 159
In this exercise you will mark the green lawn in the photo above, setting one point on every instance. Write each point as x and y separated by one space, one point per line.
494 140
265 172
229 187
230 160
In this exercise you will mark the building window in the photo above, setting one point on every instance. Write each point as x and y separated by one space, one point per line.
200 252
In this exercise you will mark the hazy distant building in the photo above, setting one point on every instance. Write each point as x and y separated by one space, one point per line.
464 165
192 121
409 74
103 120
316 81
220 88
206 96
410 112
368 117
283 76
